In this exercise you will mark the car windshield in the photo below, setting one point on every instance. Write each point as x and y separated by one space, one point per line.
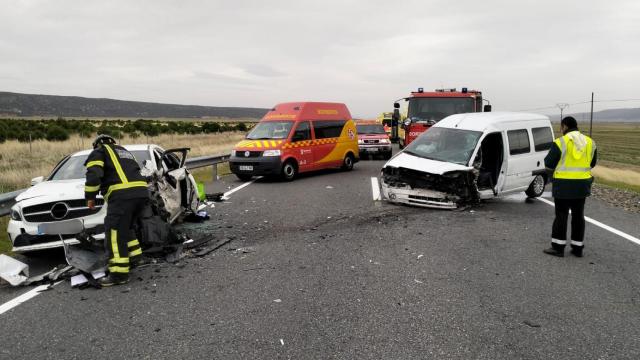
370 129
435 109
270 130
73 167
442 144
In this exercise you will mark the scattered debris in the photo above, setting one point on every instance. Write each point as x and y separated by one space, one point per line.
212 248
419 256
81 279
282 342
531 324
277 300
418 281
216 197
12 270
329 187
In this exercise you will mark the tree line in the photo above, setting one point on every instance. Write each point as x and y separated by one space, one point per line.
60 129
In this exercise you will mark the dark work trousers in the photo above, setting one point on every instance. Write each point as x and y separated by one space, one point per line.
121 242
559 232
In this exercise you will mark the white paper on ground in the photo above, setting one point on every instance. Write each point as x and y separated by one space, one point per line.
81 279
12 270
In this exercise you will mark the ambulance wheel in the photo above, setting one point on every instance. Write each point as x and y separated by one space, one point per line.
536 188
289 171
347 163
244 177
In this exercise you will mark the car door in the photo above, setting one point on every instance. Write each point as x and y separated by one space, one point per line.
301 141
520 160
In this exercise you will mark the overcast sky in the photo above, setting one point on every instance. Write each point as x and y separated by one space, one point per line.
521 54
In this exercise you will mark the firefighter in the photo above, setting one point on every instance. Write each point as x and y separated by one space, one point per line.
571 159
114 172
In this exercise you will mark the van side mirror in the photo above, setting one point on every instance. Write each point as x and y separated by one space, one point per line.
487 108
37 180
396 105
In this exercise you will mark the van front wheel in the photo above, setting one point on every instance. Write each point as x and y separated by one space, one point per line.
289 171
347 163
536 188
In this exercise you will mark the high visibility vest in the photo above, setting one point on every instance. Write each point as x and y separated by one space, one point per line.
575 162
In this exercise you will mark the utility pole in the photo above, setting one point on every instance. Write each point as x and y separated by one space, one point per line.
562 106
591 119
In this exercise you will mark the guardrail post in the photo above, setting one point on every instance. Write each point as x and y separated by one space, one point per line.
214 172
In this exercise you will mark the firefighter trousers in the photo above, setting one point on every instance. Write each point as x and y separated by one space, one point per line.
559 231
121 242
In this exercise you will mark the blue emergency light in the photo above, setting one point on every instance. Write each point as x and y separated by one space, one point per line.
420 90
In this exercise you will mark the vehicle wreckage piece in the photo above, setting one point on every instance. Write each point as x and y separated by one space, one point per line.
13 271
447 191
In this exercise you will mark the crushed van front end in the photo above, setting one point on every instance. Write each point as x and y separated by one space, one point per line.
412 187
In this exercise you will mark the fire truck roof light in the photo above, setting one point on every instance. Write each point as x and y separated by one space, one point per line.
420 90
464 90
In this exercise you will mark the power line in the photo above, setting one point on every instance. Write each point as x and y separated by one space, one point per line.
579 103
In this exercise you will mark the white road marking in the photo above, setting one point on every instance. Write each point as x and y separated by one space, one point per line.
24 297
226 195
36 291
375 189
601 225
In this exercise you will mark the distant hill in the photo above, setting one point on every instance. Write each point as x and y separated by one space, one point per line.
15 104
611 115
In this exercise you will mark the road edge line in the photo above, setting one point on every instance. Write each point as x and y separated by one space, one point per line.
375 189
597 223
24 297
239 187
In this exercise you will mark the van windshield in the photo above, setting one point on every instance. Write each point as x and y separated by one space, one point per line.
448 145
270 130
370 129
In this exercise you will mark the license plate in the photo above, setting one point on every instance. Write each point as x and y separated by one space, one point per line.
372 149
246 167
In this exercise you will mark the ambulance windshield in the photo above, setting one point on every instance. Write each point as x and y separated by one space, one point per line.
270 130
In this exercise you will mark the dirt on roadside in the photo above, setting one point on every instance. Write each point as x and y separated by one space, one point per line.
625 199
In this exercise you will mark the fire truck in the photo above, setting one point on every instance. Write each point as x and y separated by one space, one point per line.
427 108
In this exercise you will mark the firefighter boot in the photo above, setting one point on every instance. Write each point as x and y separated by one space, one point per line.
114 279
553 251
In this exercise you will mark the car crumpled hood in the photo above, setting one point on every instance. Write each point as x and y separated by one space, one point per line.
57 189
426 165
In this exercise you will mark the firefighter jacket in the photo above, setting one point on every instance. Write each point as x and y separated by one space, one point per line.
113 171
571 158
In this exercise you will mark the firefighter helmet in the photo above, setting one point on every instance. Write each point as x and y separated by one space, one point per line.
103 139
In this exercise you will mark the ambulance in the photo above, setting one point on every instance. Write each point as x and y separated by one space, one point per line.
297 137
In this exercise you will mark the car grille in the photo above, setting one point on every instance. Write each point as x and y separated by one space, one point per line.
372 141
243 154
59 210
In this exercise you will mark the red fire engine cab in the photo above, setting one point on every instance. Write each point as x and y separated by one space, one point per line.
427 108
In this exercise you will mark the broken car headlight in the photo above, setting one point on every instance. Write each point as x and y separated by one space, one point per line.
15 214
451 175
271 153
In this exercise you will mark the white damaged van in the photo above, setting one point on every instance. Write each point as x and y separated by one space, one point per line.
468 157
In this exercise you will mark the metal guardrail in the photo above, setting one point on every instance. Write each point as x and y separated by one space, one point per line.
7 200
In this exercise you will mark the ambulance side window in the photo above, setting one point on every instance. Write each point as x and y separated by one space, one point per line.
328 128
303 132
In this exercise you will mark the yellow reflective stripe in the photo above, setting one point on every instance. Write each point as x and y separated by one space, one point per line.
136 252
119 269
89 188
133 242
95 163
124 186
122 261
116 164
114 244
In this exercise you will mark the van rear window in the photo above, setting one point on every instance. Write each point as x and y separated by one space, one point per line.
328 128
542 138
518 142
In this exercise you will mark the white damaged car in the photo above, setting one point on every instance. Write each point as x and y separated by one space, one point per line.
60 196
468 157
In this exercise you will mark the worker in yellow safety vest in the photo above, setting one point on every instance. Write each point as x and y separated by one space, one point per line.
571 159
114 172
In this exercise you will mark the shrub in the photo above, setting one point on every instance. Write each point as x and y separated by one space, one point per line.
56 133
241 127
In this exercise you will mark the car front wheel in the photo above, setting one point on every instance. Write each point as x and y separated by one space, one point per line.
536 188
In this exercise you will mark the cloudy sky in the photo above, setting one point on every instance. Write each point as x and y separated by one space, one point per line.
522 54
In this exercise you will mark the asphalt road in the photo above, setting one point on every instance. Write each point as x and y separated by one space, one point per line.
317 269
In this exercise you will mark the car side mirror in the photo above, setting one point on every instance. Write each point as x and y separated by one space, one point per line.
37 180
396 105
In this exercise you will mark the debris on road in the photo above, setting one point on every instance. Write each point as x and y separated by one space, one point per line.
277 300
419 256
81 279
12 270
